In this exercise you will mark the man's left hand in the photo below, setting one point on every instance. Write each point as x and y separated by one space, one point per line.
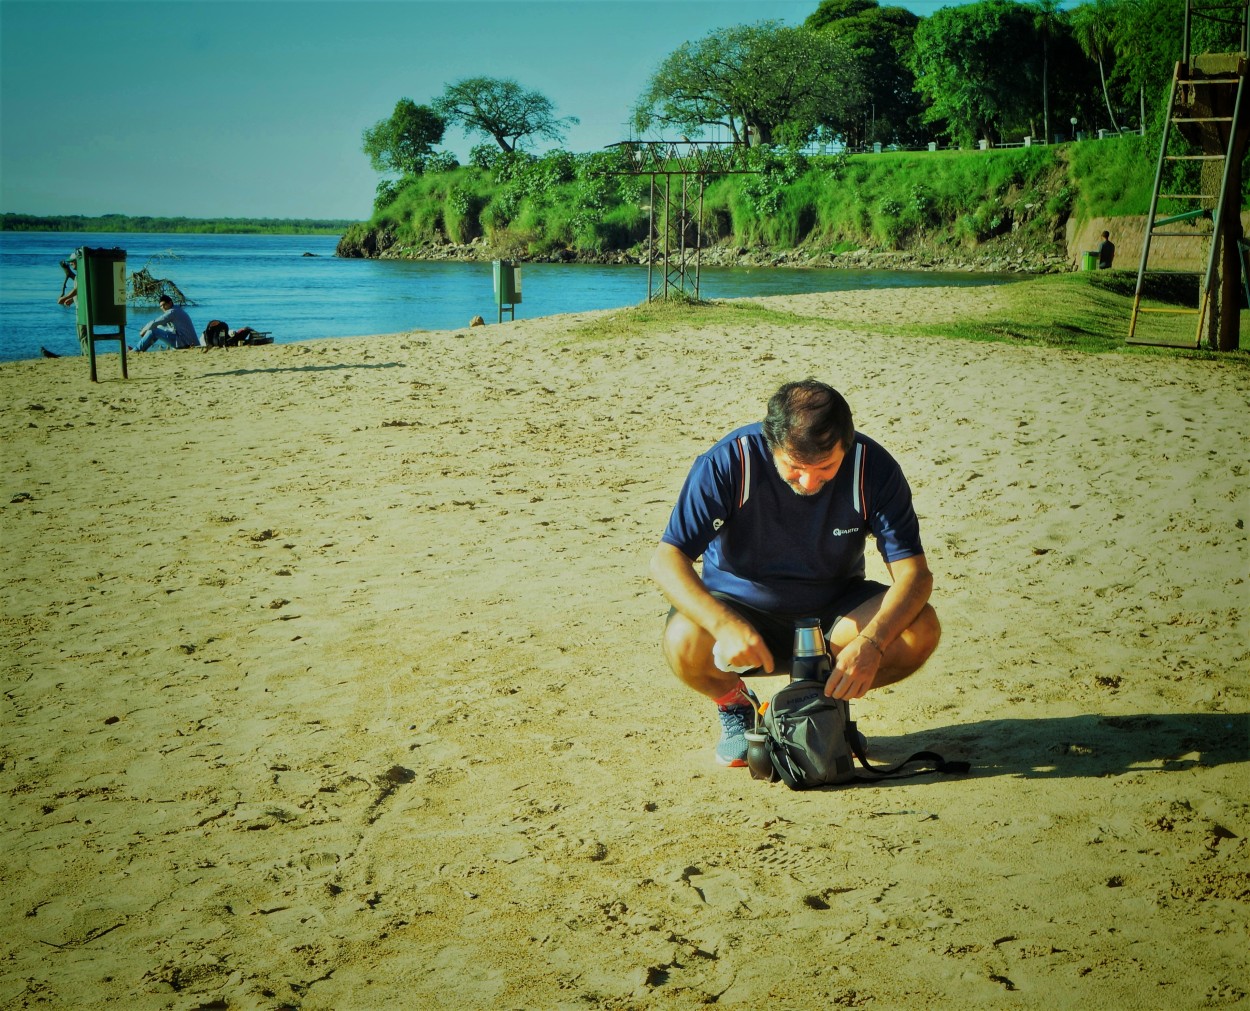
854 669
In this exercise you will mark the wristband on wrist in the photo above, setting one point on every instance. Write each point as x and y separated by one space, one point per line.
865 635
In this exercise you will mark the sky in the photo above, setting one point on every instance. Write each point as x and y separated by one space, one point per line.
255 108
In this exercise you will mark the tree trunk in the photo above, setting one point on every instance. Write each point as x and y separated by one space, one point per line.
1107 98
1045 85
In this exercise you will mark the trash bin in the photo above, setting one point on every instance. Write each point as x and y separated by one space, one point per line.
101 300
101 287
1089 261
507 277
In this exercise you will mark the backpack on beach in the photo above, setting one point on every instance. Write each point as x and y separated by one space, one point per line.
812 741
246 336
217 335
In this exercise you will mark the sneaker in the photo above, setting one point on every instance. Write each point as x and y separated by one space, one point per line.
735 721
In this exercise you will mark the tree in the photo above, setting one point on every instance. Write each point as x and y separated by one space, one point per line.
501 109
762 82
1146 36
1046 13
403 142
969 63
880 40
1093 26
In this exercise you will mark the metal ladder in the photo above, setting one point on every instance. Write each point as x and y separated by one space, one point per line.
1187 88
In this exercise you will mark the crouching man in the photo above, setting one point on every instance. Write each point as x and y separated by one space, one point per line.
780 512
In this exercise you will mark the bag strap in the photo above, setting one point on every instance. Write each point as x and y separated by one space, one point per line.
940 764
781 765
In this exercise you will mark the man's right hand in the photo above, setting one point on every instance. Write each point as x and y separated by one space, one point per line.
739 644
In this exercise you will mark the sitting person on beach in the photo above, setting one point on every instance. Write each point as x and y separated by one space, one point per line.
780 512
173 326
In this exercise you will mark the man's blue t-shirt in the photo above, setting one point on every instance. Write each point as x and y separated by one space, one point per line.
773 549
184 329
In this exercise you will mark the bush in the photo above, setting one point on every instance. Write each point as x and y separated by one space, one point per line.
387 191
485 156
461 214
440 161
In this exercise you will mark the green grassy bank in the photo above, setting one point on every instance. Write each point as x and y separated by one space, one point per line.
1078 312
533 207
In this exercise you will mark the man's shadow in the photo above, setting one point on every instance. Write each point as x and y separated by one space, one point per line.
1089 745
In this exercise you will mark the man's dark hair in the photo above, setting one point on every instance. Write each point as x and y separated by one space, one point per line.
807 420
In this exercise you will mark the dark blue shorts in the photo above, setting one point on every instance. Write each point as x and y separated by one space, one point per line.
778 629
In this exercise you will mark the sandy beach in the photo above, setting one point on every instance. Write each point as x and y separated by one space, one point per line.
332 681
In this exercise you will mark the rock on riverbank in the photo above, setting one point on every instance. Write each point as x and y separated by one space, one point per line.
1003 255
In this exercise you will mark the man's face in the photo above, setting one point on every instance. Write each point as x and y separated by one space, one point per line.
807 478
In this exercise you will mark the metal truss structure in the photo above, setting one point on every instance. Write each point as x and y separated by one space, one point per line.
678 170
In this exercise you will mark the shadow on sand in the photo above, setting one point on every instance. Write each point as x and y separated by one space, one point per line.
1076 746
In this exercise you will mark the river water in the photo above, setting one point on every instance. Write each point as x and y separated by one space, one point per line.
268 283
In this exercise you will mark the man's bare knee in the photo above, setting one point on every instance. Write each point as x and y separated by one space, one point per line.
909 652
684 643
688 650
925 633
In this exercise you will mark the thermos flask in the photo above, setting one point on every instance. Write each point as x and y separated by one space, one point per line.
811 656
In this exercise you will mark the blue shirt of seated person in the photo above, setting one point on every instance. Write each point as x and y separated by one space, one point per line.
173 326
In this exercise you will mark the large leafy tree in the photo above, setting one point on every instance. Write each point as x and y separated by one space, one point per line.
964 66
764 83
1046 17
403 142
501 109
1146 37
1093 26
880 40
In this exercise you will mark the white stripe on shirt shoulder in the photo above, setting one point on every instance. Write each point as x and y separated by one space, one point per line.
857 479
744 455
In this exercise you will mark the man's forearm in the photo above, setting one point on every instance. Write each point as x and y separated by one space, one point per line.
902 604
675 575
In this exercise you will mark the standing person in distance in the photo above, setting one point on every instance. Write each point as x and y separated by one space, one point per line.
1106 252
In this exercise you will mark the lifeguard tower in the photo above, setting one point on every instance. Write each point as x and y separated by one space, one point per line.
1195 210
